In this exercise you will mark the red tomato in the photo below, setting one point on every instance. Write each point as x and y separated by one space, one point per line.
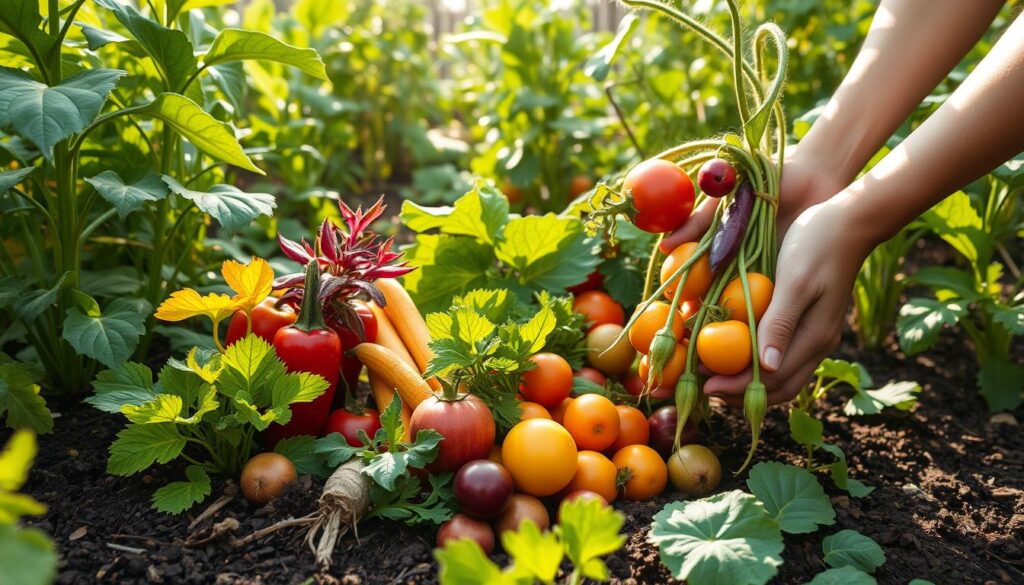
662 194
348 424
594 281
599 308
267 318
550 382
592 374
466 425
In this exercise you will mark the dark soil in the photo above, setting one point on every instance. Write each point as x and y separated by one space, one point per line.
948 504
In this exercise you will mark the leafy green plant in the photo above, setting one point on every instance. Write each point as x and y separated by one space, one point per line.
20 402
588 530
879 287
27 555
117 166
974 296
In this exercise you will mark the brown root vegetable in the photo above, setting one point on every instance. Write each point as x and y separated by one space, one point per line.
522 507
265 476
694 470
729 235
463 526
343 503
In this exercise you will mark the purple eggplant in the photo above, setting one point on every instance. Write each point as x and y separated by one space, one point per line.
729 235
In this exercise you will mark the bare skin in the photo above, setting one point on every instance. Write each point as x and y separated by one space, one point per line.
831 222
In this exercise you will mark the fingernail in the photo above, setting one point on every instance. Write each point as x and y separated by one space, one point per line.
771 358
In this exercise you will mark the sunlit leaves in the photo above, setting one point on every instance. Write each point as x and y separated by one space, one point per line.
20 399
186 303
209 135
228 204
109 337
792 496
139 446
233 44
128 197
921 320
251 282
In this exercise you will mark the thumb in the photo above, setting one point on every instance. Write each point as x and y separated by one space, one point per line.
790 301
693 229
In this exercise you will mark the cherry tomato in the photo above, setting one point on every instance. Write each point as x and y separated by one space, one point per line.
558 412
670 372
592 421
662 194
462 526
550 382
522 507
594 472
761 289
610 359
592 374
579 185
633 427
717 177
594 281
650 322
513 193
533 410
267 318
541 456
724 347
648 473
599 308
698 281
482 488
348 424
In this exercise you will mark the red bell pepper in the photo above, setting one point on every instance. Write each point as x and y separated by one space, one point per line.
350 366
267 318
308 346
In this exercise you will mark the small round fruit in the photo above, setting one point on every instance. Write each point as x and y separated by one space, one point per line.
594 472
761 289
513 193
592 421
610 359
482 488
533 410
592 374
522 507
646 326
558 412
724 347
694 470
670 372
633 427
594 281
599 308
647 472
716 178
634 384
348 424
662 193
462 526
579 185
697 282
541 456
582 495
265 476
662 424
549 382
466 424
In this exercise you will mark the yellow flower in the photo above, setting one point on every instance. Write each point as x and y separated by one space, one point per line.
251 282
187 303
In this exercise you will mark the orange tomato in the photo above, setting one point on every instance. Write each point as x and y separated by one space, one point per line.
724 347
541 456
599 308
698 281
672 370
648 473
761 289
558 412
550 382
596 473
592 421
633 427
513 193
533 410
646 326
579 185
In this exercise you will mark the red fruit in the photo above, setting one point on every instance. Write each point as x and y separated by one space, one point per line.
550 382
267 318
348 424
663 430
662 194
592 374
483 488
466 425
717 177
599 308
594 281
462 526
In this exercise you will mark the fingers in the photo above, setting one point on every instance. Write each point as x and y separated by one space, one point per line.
693 229
791 299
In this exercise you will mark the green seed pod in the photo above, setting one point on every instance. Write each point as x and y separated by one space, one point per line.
662 347
755 403
687 397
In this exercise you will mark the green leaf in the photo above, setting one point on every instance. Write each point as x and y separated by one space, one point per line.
726 539
849 548
228 204
15 461
232 44
8 179
481 214
301 450
21 19
216 139
32 305
181 382
840 474
178 496
128 383
19 396
851 373
46 115
946 283
901 395
600 63
27 555
335 449
1011 173
448 266
131 196
921 320
99 37
11 291
1001 383
535 331
1012 318
207 403
463 562
533 552
121 281
109 338
920 582
548 252
844 576
791 495
386 468
804 428
139 446
164 408
297 387
590 530
955 220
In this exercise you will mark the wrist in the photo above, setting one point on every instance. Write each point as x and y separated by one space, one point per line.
859 233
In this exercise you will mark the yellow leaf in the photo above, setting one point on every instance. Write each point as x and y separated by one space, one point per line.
251 282
209 371
187 303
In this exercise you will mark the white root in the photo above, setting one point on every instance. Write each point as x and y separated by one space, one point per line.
343 503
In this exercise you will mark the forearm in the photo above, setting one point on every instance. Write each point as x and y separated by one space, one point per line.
910 48
980 126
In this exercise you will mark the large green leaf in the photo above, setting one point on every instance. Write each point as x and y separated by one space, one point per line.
109 337
21 20
947 283
844 576
1001 383
448 266
792 495
139 446
128 197
128 383
27 556
233 44
301 450
482 214
849 548
228 204
901 395
921 320
8 179
170 49
840 472
956 221
178 496
804 428
163 408
33 304
46 115
209 135
726 539
19 396
548 252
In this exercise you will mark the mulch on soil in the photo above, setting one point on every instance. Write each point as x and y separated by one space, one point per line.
948 504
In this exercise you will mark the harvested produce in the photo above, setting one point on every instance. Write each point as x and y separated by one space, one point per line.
541 456
649 322
662 425
592 374
265 477
671 369
463 526
694 470
733 227
761 289
716 178
267 318
608 350
533 410
599 308
633 427
593 422
463 420
482 488
549 382
395 372
660 195
697 281
522 507
595 473
642 472
558 412
724 347
348 424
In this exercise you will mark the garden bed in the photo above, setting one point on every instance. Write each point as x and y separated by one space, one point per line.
948 504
